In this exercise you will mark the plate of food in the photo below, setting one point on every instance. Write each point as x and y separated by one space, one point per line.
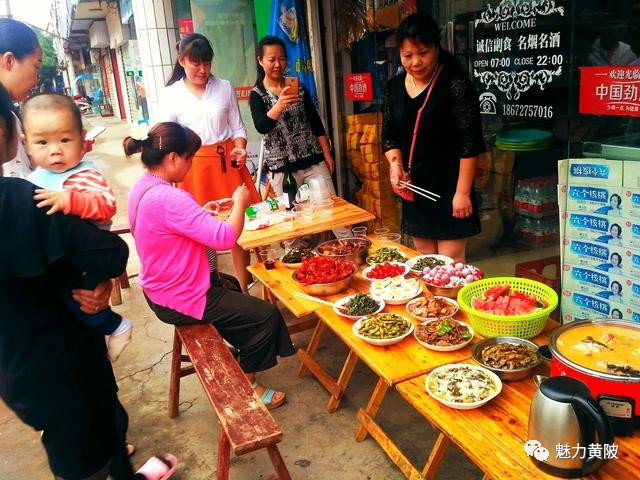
419 263
358 305
293 258
386 254
463 386
432 307
443 335
396 290
380 271
511 358
383 328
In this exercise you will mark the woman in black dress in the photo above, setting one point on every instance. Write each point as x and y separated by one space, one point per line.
448 140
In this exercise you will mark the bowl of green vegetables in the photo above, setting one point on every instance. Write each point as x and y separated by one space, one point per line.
358 305
386 254
383 329
293 258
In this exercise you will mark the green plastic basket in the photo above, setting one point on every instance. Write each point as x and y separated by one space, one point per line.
523 326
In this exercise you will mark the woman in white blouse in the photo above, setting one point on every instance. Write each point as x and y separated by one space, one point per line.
208 105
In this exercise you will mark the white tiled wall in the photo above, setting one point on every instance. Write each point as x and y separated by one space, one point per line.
157 37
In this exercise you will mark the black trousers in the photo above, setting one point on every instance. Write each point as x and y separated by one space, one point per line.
256 328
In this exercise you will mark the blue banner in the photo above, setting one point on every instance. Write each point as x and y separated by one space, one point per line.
287 22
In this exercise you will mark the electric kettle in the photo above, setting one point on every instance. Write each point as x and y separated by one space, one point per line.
564 422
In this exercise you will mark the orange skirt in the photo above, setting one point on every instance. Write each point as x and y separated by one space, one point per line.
207 181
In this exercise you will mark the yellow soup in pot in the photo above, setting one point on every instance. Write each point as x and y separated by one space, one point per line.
612 349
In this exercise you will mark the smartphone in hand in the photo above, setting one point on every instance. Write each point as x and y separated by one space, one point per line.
294 83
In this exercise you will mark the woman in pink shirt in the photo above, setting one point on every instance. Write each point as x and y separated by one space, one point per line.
171 231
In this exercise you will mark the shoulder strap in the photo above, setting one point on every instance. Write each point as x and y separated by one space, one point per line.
424 104
135 212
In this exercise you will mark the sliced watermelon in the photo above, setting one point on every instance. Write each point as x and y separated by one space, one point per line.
497 291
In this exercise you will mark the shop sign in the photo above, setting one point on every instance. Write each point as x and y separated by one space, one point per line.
185 26
519 51
358 87
242 93
129 73
610 90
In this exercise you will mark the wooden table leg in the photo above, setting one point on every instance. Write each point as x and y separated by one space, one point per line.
372 407
390 448
343 381
312 346
436 457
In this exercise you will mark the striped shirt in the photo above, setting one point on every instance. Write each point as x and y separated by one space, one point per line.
90 196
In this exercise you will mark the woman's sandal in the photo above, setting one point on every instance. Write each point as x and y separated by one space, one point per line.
159 468
267 397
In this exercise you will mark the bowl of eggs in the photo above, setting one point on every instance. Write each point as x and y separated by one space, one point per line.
447 280
395 290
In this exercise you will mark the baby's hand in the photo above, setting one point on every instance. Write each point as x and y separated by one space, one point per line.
57 200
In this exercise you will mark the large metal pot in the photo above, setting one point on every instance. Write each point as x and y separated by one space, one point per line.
619 395
357 255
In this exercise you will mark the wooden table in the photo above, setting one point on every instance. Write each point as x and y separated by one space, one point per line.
493 436
343 214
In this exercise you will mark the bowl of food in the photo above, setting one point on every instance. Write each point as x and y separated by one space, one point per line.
443 335
396 290
419 263
448 280
432 307
354 249
511 358
386 254
463 386
358 305
383 329
384 270
322 276
293 258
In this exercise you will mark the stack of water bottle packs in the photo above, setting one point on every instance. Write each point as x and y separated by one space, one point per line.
536 207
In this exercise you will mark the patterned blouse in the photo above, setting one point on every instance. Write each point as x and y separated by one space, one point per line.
290 143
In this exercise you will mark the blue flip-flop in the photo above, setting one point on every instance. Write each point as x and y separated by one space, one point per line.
267 397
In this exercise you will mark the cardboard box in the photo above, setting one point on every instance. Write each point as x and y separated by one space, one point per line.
580 306
631 176
602 200
596 256
608 286
631 202
590 171
631 232
592 228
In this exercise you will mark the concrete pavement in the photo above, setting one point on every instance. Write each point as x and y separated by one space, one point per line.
316 445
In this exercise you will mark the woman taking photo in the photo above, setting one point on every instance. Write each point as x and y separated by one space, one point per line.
171 232
441 156
207 104
20 61
294 138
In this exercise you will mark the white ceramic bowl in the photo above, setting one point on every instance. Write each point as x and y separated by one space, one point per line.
396 294
411 305
365 272
445 348
382 341
413 260
344 300
432 378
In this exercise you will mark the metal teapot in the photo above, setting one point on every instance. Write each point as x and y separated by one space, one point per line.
565 421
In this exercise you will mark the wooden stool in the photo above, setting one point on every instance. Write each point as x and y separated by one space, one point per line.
123 280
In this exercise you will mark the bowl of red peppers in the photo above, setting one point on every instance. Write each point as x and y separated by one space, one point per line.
380 271
324 275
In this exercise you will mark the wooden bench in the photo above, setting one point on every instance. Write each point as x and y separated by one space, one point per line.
123 280
245 423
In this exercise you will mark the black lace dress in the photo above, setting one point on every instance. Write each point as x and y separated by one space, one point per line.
449 129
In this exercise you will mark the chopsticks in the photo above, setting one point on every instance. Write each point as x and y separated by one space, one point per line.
313 299
419 190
